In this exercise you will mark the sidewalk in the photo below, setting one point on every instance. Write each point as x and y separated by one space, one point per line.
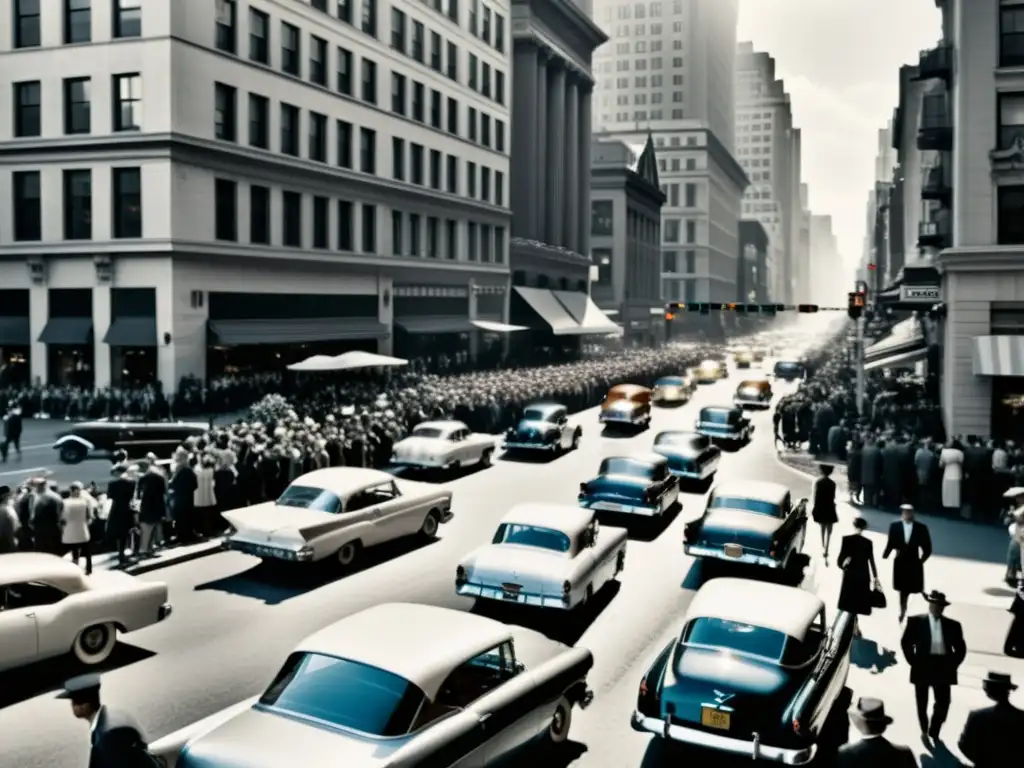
164 558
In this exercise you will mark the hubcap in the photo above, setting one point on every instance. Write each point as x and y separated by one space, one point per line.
347 554
93 639
430 525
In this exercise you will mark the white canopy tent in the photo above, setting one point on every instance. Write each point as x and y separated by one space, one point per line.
351 361
316 364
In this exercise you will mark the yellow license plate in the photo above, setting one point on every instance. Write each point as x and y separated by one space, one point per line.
733 550
715 718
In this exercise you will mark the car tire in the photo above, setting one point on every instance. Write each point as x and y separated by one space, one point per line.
348 555
576 437
431 523
73 453
561 721
620 562
486 456
94 644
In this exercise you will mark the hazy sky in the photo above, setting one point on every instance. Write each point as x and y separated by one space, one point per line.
840 60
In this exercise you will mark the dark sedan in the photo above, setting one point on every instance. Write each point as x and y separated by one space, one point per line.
725 423
92 438
691 456
544 428
639 485
756 671
788 370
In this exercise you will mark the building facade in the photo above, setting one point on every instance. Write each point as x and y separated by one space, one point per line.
626 236
825 263
806 280
754 244
193 188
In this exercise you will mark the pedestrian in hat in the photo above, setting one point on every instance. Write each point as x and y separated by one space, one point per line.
991 733
912 543
121 520
115 737
934 647
873 749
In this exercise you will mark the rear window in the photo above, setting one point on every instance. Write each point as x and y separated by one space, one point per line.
536 414
718 416
669 381
532 536
431 432
735 636
682 440
308 497
344 693
626 467
789 369
747 505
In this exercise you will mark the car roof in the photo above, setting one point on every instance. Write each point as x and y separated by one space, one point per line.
545 407
19 567
419 643
640 458
719 408
560 517
447 425
752 489
624 389
789 610
344 481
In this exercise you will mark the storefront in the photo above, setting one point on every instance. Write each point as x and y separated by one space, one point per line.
431 321
905 346
916 288
132 337
68 336
557 321
15 337
1000 359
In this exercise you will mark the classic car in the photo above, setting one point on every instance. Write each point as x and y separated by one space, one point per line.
672 390
396 685
691 456
754 393
136 438
337 513
756 671
788 370
710 371
49 607
638 485
544 555
445 445
725 423
743 357
543 427
627 405
755 523
757 354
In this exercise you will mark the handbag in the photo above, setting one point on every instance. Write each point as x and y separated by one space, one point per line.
878 599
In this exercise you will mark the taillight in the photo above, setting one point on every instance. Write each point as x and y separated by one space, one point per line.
796 726
583 488
566 588
460 575
643 687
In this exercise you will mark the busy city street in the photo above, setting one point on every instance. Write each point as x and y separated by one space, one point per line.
235 621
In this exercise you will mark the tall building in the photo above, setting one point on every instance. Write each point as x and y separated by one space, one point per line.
667 60
825 263
806 283
195 186
768 147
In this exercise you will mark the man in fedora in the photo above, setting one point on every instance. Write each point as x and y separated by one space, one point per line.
115 737
934 647
873 749
991 732
912 543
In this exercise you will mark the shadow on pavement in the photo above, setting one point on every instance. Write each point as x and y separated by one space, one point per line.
275 583
621 433
530 457
868 654
47 676
435 475
641 528
563 755
561 626
702 570
939 756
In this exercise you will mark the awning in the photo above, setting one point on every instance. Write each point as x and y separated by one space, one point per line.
295 330
429 325
543 302
898 360
999 356
586 313
14 331
496 327
131 332
906 336
67 331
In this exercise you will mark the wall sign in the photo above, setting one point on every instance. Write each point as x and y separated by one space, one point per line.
920 294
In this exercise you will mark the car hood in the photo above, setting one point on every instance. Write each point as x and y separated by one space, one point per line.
534 427
420 445
536 569
270 518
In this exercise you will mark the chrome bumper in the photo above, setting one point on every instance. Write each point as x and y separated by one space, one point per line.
752 749
165 610
614 418
417 463
739 402
718 554
514 446
718 435
487 592
627 509
447 515
268 552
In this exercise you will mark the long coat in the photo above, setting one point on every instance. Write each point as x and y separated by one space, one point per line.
855 593
871 467
987 733
75 516
875 753
925 668
118 742
908 567
121 519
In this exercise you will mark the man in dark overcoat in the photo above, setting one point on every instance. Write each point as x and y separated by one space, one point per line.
912 543
934 647
871 471
116 740
121 520
892 476
991 733
873 750
47 506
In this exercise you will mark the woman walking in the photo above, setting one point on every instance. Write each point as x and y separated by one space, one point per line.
860 574
75 518
951 461
823 510
205 497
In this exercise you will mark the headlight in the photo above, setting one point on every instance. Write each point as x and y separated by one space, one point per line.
460 575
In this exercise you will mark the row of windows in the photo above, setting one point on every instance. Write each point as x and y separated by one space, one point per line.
676 164
641 65
623 99
126 20
411 233
639 116
642 30
126 105
747 116
413 163
625 48
670 261
753 127
673 229
125 204
655 10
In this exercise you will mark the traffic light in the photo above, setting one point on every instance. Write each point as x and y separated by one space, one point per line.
855 306
669 316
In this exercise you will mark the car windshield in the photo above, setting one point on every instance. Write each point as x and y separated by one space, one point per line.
531 536
747 505
716 416
344 693
538 414
307 497
629 467
678 440
789 369
734 636
669 381
432 432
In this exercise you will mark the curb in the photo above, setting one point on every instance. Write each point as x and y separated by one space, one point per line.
211 547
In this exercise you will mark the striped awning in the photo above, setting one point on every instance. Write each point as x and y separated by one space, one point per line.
999 356
898 360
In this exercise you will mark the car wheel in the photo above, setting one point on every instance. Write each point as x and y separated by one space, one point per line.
430 525
95 644
485 457
577 436
73 453
561 722
348 554
620 562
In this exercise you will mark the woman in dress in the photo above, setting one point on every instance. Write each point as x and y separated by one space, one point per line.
951 461
823 510
860 574
75 517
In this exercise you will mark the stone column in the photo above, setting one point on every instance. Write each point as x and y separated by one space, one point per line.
571 158
556 151
38 316
102 354
539 137
586 130
524 169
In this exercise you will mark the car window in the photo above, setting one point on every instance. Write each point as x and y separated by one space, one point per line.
796 652
383 493
681 440
477 677
344 693
707 632
308 497
669 381
660 471
431 432
30 595
626 466
532 536
717 416
747 505
360 501
536 414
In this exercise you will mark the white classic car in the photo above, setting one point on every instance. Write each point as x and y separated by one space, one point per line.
336 513
49 607
396 686
544 555
446 445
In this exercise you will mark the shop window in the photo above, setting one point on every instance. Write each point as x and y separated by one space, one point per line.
1011 215
602 218
603 258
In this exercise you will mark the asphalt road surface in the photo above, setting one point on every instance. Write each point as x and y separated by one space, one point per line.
234 622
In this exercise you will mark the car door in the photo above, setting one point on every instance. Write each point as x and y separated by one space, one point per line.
396 515
18 629
363 509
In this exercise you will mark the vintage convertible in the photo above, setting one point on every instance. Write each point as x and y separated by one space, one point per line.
753 393
337 513
396 685
638 485
672 390
544 555
756 671
136 438
725 423
626 405
710 371
544 427
691 456
48 608
444 445
750 522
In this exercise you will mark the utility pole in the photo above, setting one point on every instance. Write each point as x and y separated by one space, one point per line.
862 289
